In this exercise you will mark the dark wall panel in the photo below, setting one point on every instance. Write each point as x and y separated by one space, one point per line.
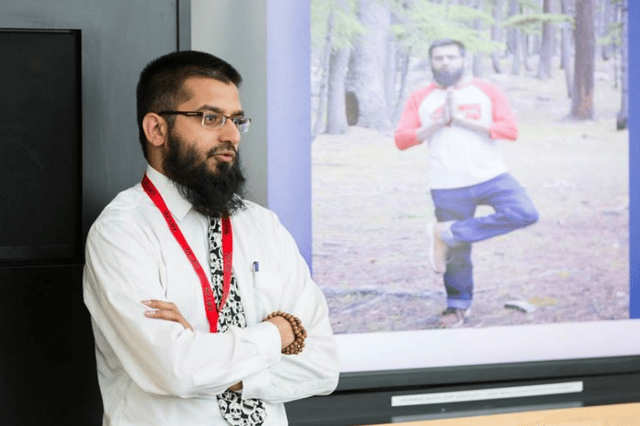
48 374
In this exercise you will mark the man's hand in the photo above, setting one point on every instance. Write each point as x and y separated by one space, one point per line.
286 332
166 311
447 112
424 133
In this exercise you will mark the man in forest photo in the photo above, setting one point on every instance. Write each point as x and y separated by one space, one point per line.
203 309
462 119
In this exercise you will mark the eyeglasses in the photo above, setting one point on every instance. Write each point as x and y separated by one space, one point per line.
212 120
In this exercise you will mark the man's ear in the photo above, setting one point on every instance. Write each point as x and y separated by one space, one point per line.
155 129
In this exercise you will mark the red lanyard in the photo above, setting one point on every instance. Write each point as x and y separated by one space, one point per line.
227 255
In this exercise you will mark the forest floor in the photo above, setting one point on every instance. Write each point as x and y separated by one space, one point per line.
371 207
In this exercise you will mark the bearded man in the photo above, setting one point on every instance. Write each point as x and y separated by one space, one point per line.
203 309
462 119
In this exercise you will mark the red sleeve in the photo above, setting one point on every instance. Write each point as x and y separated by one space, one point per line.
504 125
409 123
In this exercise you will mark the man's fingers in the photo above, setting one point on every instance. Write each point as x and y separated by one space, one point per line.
165 315
159 304
169 316
166 311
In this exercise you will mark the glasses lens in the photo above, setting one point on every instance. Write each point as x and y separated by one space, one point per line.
242 124
212 120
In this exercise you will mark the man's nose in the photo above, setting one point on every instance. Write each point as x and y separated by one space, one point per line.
230 132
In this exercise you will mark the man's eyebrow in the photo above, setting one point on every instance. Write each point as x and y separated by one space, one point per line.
219 110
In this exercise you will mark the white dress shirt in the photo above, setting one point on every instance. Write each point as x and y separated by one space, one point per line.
154 372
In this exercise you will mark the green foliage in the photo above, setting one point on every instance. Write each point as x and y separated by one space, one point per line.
468 15
535 21
532 23
613 36
341 15
319 15
425 22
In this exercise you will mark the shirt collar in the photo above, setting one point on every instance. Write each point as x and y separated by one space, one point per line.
174 200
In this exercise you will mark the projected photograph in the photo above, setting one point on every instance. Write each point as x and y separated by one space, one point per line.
532 103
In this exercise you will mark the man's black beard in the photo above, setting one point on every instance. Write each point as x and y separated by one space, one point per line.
447 78
214 194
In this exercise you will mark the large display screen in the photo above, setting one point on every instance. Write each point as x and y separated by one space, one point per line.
557 289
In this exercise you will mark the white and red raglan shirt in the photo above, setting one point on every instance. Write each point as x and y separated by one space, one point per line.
458 156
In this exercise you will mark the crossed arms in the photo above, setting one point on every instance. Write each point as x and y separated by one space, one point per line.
168 311
167 357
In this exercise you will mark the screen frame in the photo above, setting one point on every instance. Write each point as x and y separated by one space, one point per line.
288 138
487 373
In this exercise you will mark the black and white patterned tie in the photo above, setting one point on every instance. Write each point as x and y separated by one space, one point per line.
235 410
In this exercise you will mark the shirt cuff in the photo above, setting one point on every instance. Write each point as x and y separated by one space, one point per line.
269 336
269 340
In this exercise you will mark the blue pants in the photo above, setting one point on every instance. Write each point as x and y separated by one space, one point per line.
513 209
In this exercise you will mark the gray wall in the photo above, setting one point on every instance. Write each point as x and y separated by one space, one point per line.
268 42
235 30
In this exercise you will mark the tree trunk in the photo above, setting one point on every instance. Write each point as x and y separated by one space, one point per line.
390 74
515 41
617 19
401 69
319 125
496 35
478 56
526 50
404 71
336 107
512 32
546 45
607 20
527 47
369 63
623 114
583 85
567 36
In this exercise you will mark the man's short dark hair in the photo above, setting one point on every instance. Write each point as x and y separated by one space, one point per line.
161 83
447 42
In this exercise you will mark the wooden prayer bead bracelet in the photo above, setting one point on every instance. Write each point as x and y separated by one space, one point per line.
299 332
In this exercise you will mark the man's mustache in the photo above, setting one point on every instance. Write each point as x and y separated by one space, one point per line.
225 149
